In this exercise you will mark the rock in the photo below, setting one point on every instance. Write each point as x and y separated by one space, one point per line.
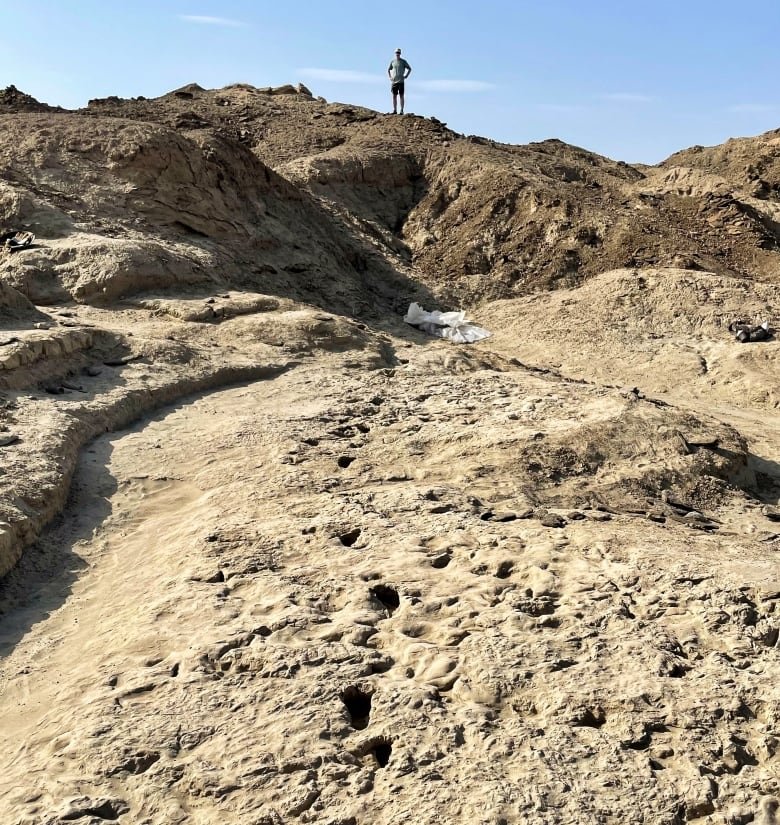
552 520
772 513
284 90
103 808
598 515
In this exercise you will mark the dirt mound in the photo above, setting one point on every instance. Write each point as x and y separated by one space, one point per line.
478 220
752 164
121 206
662 330
14 306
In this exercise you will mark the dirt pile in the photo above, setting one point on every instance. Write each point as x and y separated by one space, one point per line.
477 219
381 578
126 207
752 164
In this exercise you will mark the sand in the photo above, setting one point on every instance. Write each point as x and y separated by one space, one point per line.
233 623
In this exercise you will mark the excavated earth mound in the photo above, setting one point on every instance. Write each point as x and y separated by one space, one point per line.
270 555
478 219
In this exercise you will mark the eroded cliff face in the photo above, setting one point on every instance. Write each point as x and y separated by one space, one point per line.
381 577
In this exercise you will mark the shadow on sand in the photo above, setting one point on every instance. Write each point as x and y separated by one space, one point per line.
767 474
42 580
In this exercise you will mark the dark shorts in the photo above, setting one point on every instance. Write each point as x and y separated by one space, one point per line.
397 88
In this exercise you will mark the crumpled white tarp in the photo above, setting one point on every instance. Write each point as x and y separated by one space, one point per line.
450 325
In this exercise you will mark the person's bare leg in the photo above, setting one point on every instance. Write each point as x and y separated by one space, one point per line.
402 102
395 104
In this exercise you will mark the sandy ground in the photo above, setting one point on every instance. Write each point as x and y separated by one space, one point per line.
331 597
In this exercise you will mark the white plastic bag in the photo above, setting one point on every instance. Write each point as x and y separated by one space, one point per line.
450 325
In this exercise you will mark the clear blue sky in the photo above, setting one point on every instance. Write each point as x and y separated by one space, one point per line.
631 80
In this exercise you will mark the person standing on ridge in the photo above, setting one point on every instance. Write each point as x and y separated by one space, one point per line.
398 71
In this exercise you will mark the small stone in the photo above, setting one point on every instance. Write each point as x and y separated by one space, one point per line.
215 578
632 393
553 520
772 513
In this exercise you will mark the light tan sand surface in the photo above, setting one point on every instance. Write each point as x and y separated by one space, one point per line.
331 596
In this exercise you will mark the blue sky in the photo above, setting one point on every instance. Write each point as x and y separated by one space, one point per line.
632 80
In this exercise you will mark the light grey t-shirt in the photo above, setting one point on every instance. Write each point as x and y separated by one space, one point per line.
397 69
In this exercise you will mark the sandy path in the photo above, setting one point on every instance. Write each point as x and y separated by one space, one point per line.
142 497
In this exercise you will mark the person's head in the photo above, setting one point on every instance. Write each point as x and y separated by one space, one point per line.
397 52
